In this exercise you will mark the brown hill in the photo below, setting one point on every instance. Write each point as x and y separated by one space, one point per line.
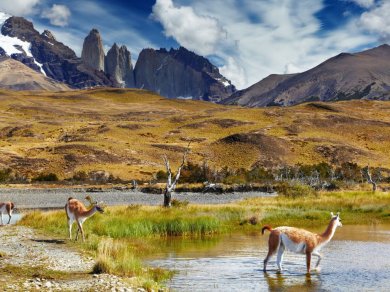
17 76
125 132
364 75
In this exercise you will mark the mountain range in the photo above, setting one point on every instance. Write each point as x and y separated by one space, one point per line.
180 73
364 75
174 73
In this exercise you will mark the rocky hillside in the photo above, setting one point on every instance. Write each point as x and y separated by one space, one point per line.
364 75
17 76
124 132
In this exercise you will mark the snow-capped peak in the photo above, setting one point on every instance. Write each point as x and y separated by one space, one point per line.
12 45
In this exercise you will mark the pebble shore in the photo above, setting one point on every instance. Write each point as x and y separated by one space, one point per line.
56 198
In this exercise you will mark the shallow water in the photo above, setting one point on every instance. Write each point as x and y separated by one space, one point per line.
357 258
14 219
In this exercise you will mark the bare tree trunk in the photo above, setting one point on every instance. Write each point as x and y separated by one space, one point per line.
369 178
171 185
167 198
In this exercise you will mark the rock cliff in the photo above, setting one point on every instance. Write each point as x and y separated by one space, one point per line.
119 67
180 74
93 52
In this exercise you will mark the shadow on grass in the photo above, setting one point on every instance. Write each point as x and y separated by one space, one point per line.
56 241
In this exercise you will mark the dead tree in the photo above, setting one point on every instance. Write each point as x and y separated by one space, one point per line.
368 176
171 185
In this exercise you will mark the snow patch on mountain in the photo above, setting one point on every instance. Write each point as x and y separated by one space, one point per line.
224 81
14 45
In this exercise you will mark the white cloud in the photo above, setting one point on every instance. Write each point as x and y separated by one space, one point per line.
363 3
57 14
234 71
377 20
19 7
194 31
291 68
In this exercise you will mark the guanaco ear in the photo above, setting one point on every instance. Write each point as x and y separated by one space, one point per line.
338 214
331 214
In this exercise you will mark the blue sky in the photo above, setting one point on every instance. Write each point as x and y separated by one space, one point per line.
247 39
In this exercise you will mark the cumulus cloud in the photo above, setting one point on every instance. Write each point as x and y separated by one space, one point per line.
377 20
194 31
57 14
363 3
19 7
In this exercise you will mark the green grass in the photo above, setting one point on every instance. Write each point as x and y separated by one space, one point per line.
356 207
122 235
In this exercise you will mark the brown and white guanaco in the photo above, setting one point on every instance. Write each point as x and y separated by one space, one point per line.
299 241
76 211
6 207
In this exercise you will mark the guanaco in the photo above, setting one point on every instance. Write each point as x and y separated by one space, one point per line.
6 207
299 241
76 211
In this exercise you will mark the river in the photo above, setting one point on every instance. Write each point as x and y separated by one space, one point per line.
358 258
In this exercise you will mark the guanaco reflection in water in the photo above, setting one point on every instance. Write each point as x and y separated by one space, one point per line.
280 282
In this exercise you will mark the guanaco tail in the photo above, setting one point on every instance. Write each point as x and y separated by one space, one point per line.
299 241
6 207
77 212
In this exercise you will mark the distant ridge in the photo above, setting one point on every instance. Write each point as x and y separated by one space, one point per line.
364 75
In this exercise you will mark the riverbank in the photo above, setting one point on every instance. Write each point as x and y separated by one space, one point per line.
30 261
123 235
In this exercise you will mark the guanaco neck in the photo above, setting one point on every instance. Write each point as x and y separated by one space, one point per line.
329 232
88 213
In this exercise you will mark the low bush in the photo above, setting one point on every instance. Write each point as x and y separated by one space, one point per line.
45 177
5 175
294 190
179 204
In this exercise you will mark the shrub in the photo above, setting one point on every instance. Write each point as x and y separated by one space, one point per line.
45 177
5 175
258 174
294 190
80 176
349 171
161 176
179 204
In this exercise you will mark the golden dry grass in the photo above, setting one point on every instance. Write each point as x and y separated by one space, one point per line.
125 132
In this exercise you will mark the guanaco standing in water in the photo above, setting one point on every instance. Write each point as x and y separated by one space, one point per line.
299 241
6 207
